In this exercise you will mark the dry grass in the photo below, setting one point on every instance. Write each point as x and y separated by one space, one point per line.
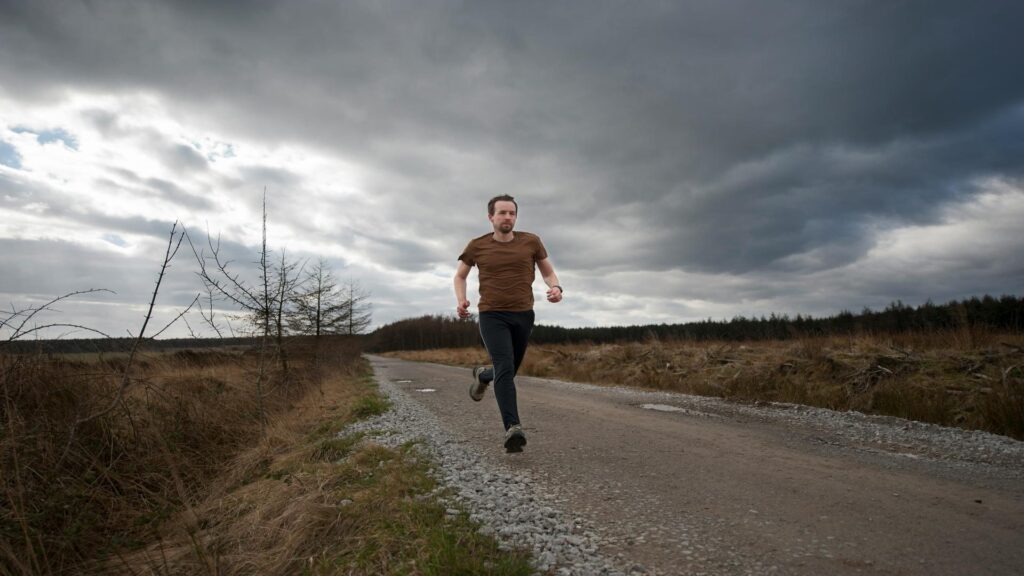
179 481
967 378
306 501
73 495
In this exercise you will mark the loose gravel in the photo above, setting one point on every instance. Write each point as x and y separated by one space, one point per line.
507 504
521 513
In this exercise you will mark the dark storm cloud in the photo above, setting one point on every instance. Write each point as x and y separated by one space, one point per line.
776 212
744 76
728 138
668 105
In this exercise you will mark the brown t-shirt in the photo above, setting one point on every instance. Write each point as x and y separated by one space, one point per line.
506 270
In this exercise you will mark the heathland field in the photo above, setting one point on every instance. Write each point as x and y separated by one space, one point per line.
217 462
967 378
229 461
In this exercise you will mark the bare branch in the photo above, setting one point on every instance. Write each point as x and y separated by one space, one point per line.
191 332
183 312
126 376
30 313
210 319
234 290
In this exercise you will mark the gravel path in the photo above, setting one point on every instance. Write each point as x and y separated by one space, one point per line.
623 481
507 503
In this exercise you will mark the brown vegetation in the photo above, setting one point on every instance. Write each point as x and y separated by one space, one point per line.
306 500
179 478
73 493
968 378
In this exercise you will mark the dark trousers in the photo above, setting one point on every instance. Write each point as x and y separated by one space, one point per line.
505 335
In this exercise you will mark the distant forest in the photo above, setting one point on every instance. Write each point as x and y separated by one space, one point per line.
1005 314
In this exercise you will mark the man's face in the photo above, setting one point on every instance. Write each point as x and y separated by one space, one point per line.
504 217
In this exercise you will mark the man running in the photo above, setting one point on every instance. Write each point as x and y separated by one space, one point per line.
505 260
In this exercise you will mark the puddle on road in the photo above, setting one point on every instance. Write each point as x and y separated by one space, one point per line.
670 408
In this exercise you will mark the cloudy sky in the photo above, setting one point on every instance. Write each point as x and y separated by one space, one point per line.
681 160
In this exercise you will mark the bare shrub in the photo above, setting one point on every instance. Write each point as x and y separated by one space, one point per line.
261 303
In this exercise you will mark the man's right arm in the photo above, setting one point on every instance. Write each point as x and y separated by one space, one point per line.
462 305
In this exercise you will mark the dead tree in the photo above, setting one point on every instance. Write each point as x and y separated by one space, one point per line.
287 282
358 308
262 303
319 307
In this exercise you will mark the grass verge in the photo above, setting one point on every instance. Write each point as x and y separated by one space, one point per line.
307 500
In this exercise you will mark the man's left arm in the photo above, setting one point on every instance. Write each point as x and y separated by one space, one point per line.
547 272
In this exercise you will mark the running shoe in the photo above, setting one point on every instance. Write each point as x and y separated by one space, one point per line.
478 387
515 439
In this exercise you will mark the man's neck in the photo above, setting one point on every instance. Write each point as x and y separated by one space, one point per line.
504 236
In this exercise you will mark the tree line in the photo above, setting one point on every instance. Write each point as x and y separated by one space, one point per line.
1005 313
425 332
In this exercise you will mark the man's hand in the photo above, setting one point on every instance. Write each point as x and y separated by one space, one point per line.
554 294
463 309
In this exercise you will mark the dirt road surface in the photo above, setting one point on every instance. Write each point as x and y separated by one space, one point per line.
690 486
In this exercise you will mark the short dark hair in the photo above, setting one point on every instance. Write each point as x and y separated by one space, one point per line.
502 198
